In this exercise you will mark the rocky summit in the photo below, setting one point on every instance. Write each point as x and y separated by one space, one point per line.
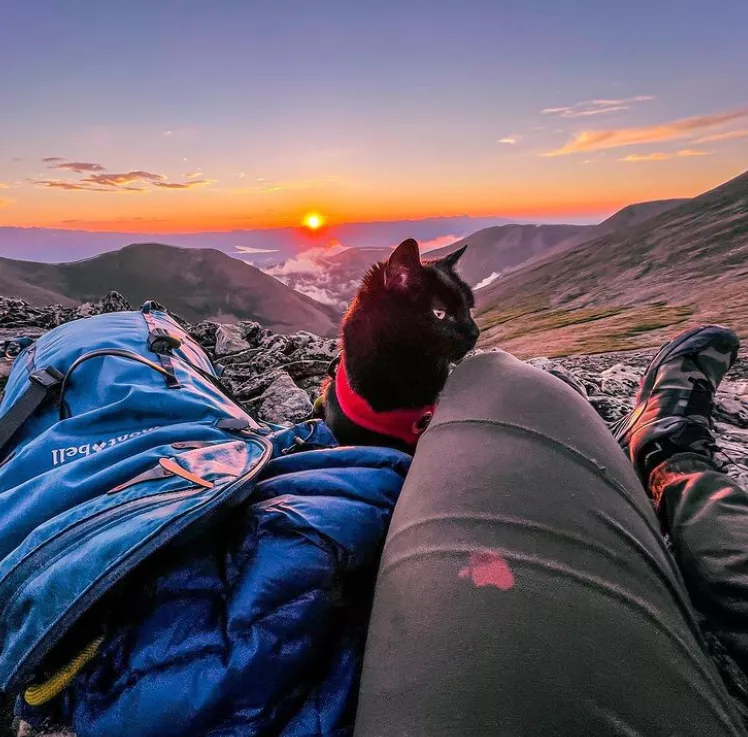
277 378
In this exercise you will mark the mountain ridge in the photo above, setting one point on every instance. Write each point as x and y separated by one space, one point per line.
198 283
628 289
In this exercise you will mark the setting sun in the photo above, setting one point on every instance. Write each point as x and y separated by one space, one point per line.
313 220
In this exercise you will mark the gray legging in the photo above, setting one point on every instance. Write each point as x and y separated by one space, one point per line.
525 588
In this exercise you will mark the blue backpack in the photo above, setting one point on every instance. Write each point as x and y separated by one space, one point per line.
116 436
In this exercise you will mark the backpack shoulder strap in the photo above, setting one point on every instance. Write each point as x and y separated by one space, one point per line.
161 342
43 384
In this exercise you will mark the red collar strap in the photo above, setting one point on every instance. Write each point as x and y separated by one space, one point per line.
404 424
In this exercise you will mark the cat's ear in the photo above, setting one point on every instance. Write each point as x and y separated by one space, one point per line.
402 265
454 257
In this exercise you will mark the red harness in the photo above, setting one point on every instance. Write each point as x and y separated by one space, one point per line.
404 424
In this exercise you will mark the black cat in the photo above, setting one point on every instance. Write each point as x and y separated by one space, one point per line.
407 323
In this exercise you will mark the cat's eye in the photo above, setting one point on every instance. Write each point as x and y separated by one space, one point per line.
439 314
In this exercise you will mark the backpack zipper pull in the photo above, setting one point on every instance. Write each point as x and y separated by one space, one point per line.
169 464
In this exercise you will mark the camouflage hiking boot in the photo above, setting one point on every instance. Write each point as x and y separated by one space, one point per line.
673 412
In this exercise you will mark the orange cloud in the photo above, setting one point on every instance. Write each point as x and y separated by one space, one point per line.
693 152
115 180
83 185
616 138
129 181
6 203
686 152
3 186
726 136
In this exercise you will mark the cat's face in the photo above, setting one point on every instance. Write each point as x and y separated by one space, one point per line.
426 303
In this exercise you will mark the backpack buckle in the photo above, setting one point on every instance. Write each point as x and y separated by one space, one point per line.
48 378
162 341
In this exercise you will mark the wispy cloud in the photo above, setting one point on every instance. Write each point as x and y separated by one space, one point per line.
510 140
116 180
51 159
79 166
683 128
726 136
624 101
686 152
61 184
193 174
99 180
183 185
594 111
693 152
3 185
595 107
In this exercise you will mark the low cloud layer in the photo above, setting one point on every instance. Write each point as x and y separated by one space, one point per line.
314 272
249 251
488 280
331 274
685 128
311 261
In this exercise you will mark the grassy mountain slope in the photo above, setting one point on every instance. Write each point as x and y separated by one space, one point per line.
632 288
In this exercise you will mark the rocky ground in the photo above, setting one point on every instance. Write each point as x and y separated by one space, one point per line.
277 377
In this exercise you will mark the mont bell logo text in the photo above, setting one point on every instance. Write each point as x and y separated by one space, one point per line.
60 455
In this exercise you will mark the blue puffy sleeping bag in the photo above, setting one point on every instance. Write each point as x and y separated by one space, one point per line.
168 565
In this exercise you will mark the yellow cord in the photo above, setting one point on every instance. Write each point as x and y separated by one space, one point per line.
43 692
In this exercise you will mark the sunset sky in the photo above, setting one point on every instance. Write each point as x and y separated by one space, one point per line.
184 115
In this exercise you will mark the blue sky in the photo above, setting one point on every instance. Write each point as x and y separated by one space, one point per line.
249 114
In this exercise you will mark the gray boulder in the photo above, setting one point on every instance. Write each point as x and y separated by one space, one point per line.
229 339
282 402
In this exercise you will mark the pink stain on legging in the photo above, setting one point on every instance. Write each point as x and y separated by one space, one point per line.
488 568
